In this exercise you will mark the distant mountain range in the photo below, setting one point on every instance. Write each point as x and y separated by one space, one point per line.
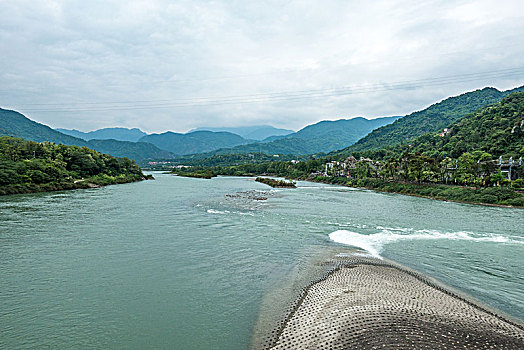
17 125
194 142
257 132
359 134
324 136
120 134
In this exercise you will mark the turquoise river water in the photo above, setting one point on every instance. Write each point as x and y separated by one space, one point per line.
181 263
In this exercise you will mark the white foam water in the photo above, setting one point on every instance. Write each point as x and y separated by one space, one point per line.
225 212
374 243
214 211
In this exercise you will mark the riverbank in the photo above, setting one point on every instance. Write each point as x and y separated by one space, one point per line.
93 182
491 196
372 303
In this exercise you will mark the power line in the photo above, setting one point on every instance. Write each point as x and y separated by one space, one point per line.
283 95
289 93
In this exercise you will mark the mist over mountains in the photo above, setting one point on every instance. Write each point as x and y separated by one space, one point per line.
257 132
120 134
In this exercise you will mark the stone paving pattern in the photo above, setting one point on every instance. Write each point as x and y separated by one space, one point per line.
368 304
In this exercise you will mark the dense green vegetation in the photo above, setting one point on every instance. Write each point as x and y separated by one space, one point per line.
366 177
490 195
17 125
300 170
432 119
207 160
27 166
276 183
489 133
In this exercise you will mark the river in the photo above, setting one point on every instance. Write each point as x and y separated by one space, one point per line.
186 263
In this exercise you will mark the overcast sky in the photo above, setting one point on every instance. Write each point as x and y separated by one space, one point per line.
175 65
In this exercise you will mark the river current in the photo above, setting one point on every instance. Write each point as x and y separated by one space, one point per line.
186 263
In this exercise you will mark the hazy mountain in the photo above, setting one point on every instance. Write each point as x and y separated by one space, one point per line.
138 151
120 134
194 142
431 119
15 124
257 132
324 136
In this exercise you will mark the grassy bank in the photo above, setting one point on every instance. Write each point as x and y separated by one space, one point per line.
92 182
491 195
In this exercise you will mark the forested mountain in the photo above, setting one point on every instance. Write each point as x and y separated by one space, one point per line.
324 136
493 131
497 130
120 134
257 132
17 125
431 119
194 142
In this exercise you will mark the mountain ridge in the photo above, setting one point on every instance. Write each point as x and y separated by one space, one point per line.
255 132
193 142
431 119
493 131
113 133
13 123
324 136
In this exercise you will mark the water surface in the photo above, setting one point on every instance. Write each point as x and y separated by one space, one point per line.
185 263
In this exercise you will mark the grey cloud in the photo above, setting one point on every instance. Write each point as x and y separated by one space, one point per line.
83 55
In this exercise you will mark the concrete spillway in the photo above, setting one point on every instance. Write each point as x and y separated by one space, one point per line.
371 304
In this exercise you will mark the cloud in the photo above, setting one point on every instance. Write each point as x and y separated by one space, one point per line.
150 64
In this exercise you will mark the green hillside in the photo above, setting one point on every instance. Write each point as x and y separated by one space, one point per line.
16 124
432 119
194 142
493 131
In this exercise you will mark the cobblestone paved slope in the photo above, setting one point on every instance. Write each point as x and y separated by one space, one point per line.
369 305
